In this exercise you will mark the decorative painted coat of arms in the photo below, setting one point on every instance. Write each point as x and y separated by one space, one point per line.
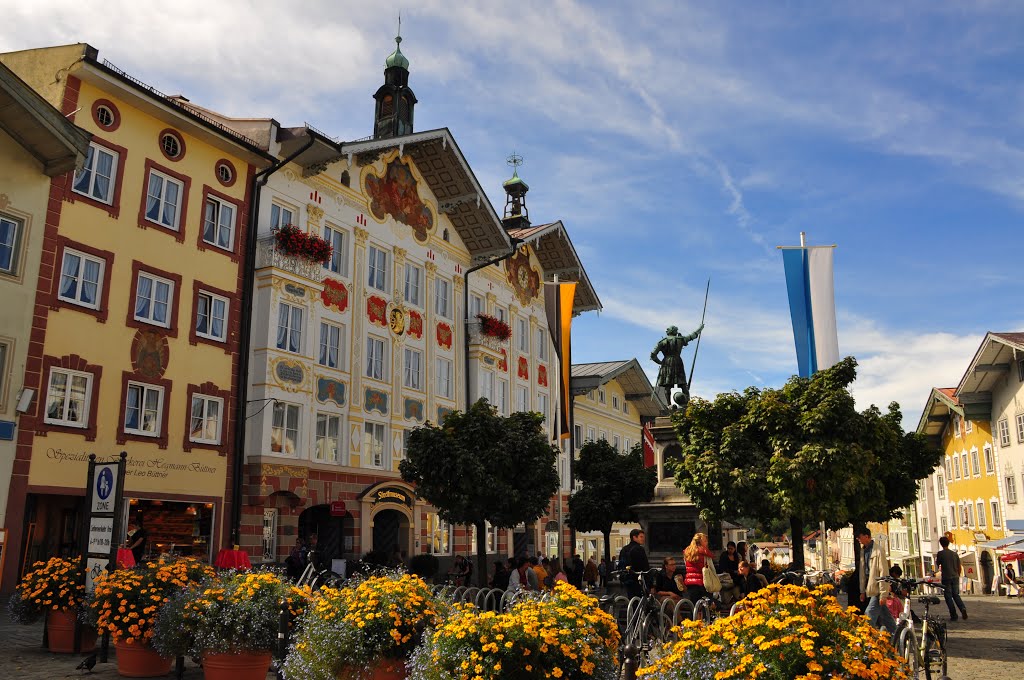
415 329
524 279
377 310
523 370
395 193
444 336
335 294
542 375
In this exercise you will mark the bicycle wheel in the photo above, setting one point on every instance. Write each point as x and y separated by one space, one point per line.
702 610
907 648
650 639
934 657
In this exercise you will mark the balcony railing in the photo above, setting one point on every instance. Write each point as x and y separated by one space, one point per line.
267 255
478 337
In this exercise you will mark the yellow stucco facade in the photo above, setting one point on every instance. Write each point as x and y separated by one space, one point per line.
972 504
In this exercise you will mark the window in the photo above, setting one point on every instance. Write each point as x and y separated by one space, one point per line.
80 277
375 358
1004 431
523 335
153 300
67 398
615 402
591 434
10 244
377 272
522 398
219 223
954 516
442 298
327 428
997 518
211 316
542 406
956 467
439 535
1020 370
289 327
476 305
601 398
542 344
1011 489
270 534
444 377
96 178
975 463
488 538
617 442
171 145
225 172
204 425
969 515
601 434
5 350
625 406
982 520
963 464
944 523
956 425
374 451
284 428
487 386
142 409
577 436
940 485
627 445
949 469
1020 428
280 216
501 396
330 345
413 278
163 200
990 460
968 425
339 255
413 378
924 526
501 314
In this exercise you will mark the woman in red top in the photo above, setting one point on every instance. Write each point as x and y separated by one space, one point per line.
697 556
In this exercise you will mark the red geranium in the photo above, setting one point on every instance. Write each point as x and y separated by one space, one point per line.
291 240
494 327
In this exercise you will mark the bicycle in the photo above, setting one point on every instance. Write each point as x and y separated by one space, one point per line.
925 654
645 621
319 578
711 607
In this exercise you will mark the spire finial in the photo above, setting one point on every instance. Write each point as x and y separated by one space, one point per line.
515 160
398 38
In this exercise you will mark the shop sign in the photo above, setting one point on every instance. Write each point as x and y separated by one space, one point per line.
94 566
101 533
337 508
980 537
391 494
104 487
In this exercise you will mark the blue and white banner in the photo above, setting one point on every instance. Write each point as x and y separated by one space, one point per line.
812 306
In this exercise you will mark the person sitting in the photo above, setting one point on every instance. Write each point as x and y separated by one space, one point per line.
766 571
749 581
665 586
523 577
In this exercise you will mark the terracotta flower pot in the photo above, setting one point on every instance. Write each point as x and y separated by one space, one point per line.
239 666
60 632
139 660
383 669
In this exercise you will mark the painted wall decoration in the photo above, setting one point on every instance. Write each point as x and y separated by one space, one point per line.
444 335
150 354
523 370
488 359
442 413
330 390
375 400
292 289
414 410
290 372
377 310
335 295
542 375
397 319
525 280
503 361
395 193
415 329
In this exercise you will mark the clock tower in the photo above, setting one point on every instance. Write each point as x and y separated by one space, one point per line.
517 216
395 100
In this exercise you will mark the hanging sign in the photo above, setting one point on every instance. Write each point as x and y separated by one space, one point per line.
104 487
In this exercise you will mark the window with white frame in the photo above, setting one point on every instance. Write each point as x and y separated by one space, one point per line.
954 516
956 467
982 520
330 345
5 351
375 360
328 431
591 434
625 406
163 199
542 407
280 216
219 223
944 523
501 314
489 538
270 534
522 398
211 316
975 463
377 268
956 425
542 344
963 464
601 434
615 402
924 526
1011 489
1020 370
443 298
375 449
487 386
590 395
501 396
1004 431
968 425
68 396
405 444
289 327
476 306
439 535
969 520
617 442
990 460
413 376
577 436
338 262
601 397
97 176
154 298
949 468
284 428
940 486
413 284
443 370
204 423
143 408
997 517
81 277
627 445
1020 428
11 231
523 335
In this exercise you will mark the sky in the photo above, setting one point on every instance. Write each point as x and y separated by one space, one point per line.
678 142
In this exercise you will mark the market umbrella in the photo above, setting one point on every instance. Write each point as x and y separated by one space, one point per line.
1013 557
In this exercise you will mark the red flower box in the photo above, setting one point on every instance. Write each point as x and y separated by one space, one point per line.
291 240
494 327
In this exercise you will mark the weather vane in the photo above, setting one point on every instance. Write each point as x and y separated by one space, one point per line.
515 160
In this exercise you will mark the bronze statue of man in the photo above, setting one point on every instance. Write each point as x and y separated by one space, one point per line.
672 372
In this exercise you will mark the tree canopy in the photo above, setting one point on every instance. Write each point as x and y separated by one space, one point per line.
612 482
478 466
801 452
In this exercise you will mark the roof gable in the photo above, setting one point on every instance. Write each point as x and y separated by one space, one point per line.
557 257
629 374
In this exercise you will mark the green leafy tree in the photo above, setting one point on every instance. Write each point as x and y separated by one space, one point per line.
480 467
803 453
612 483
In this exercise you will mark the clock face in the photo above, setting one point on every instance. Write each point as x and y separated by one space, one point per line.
524 277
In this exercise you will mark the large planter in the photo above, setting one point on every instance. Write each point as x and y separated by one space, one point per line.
138 660
383 669
60 632
240 666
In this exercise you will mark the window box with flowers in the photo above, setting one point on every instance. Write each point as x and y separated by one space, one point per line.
291 240
52 589
494 327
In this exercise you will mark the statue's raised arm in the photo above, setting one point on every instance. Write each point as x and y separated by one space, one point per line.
673 372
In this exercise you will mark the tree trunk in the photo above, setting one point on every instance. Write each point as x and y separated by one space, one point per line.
481 554
608 547
796 529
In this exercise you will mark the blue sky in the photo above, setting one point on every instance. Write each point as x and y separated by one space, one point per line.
677 142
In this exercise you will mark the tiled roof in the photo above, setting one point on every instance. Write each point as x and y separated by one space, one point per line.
557 256
630 376
1015 338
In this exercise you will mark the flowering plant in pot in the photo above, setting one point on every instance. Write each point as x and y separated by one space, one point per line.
52 589
229 621
293 241
494 327
783 632
364 630
564 636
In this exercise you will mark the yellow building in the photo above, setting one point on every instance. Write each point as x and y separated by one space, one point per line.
136 327
967 506
36 144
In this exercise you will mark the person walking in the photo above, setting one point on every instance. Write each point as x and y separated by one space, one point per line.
875 591
697 556
949 562
633 556
591 574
